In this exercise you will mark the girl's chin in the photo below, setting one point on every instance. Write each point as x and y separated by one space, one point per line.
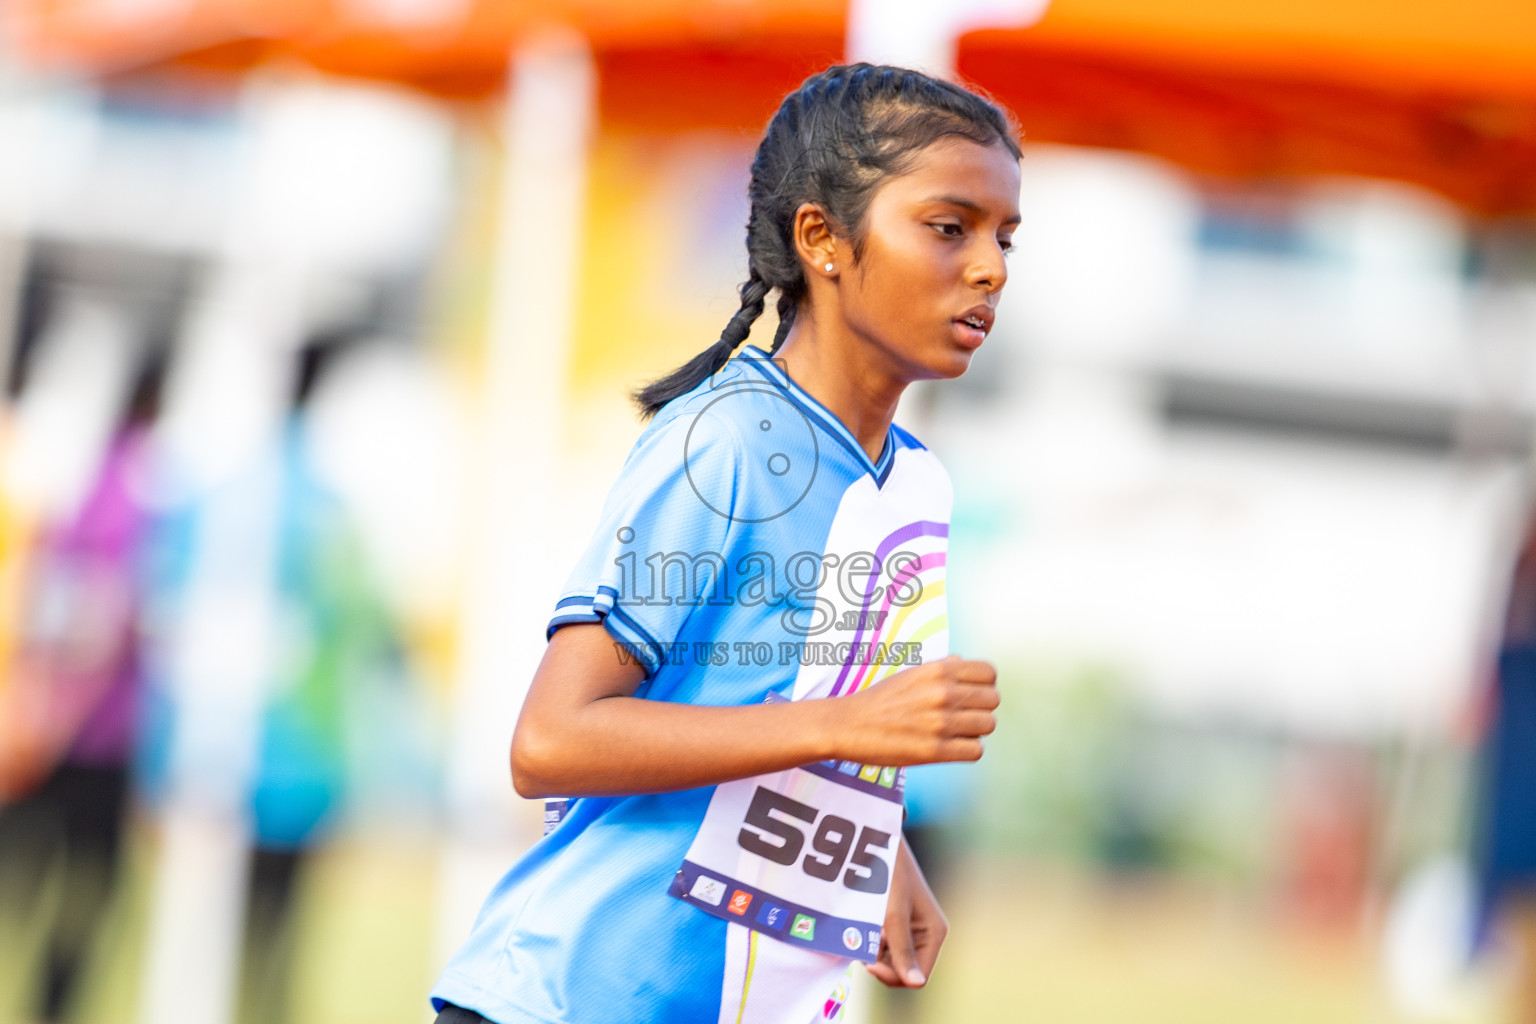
958 358
929 361
948 364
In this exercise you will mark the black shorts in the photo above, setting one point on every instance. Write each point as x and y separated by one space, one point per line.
458 1015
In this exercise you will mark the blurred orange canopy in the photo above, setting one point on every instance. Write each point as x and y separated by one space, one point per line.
1432 92
1438 93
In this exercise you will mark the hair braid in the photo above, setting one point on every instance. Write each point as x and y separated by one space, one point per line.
787 306
754 293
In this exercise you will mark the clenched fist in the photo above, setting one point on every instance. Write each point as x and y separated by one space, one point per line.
927 713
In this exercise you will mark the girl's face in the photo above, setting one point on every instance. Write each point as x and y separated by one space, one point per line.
925 289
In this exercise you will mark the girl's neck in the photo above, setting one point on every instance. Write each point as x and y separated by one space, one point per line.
846 378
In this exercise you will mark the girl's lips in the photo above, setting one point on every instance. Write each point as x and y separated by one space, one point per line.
968 336
973 326
982 313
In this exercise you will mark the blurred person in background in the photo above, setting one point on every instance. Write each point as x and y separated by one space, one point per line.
337 637
74 681
333 637
20 753
1506 840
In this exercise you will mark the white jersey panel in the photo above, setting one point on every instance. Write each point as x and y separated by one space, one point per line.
884 597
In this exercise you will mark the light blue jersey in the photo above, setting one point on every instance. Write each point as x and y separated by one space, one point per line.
750 550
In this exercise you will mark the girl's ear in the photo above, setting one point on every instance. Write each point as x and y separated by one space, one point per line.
815 242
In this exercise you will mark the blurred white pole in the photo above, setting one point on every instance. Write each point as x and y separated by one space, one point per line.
223 411
193 947
512 581
922 34
77 379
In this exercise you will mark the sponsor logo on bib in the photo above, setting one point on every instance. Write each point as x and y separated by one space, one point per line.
740 901
710 890
772 916
852 937
803 928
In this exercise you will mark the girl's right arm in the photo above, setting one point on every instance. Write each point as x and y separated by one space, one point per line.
583 733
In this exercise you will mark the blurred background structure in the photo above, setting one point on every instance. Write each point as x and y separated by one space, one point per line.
317 320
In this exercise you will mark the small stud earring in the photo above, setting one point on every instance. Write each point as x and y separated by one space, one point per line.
829 268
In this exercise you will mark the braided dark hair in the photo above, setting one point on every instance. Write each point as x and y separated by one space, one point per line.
832 142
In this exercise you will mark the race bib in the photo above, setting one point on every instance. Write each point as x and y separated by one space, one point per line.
804 855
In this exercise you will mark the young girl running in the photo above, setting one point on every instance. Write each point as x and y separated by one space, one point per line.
733 841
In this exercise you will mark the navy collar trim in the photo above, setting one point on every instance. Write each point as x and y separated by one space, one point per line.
814 410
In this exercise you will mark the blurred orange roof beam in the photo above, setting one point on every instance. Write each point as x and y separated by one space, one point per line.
1437 93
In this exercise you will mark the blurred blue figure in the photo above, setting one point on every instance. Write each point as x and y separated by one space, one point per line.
333 639
1506 835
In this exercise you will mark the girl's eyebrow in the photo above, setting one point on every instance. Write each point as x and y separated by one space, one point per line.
969 204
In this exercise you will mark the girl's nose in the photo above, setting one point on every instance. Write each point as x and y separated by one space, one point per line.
990 270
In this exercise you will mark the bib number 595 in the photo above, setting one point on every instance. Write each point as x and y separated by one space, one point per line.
832 842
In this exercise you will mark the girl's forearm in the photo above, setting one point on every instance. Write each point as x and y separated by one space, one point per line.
621 746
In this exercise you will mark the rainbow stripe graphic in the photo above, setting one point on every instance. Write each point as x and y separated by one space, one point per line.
919 620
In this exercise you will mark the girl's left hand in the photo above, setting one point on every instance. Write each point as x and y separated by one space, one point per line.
914 927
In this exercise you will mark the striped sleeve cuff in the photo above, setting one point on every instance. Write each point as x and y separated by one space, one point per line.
602 607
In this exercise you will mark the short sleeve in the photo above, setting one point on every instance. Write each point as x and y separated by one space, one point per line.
660 546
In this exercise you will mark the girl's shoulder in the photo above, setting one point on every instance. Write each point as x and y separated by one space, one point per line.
726 416
718 395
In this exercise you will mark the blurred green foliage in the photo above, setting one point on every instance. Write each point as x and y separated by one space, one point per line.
1082 771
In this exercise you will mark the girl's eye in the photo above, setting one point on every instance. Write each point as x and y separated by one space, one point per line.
949 230
1006 244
